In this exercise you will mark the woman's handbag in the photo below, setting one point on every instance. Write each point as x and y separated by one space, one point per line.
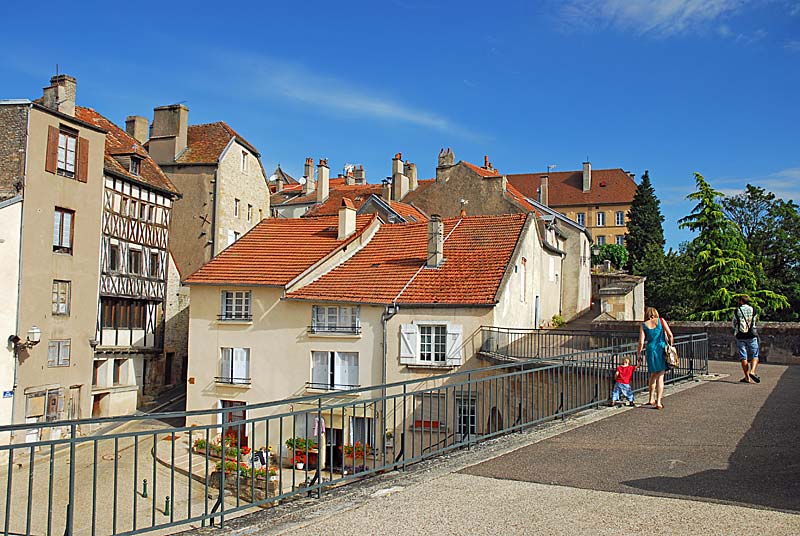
670 353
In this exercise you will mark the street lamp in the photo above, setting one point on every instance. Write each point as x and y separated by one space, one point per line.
34 335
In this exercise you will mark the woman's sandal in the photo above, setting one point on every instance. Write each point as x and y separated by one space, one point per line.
660 406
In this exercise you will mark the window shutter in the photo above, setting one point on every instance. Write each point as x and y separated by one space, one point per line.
83 160
231 237
57 228
319 369
226 363
66 230
241 364
51 157
454 344
408 343
63 357
52 354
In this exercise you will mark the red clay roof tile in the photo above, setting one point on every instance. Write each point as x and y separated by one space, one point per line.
565 188
205 143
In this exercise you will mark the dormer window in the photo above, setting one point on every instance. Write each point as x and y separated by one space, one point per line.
136 164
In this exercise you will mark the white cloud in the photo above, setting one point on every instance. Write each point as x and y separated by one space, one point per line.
785 184
792 45
660 17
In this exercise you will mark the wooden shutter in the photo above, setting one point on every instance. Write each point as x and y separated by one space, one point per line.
51 157
454 344
408 343
83 160
320 375
226 370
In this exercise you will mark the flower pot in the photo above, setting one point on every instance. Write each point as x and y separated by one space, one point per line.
299 466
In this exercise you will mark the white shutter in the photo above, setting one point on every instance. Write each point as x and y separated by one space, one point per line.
320 376
241 365
226 364
63 353
231 236
408 343
345 372
52 354
67 231
454 344
56 228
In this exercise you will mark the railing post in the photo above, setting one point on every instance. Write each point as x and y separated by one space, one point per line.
70 505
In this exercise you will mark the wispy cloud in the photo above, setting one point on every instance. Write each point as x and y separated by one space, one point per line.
269 78
785 184
793 45
659 17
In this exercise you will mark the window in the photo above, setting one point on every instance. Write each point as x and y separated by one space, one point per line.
123 206
119 371
58 353
466 415
601 240
235 305
133 209
619 218
244 161
134 261
63 220
113 257
143 211
335 319
431 344
235 367
581 218
235 208
61 297
619 240
122 313
249 213
601 219
154 262
136 164
96 366
67 146
336 371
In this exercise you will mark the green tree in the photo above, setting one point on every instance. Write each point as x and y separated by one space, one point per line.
668 286
644 222
615 253
720 259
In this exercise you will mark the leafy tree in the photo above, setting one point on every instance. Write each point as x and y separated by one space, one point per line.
721 268
615 253
668 286
644 222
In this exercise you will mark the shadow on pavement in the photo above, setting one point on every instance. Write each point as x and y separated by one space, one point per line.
764 469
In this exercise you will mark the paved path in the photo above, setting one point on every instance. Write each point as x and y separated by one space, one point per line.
724 454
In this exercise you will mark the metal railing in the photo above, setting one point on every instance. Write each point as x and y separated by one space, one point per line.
519 343
349 330
155 474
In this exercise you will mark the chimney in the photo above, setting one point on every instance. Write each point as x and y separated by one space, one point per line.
359 175
349 176
386 190
399 180
309 185
587 176
347 219
435 241
279 184
411 173
446 158
169 132
136 126
323 180
60 95
544 193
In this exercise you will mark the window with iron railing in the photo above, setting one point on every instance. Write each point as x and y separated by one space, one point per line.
235 305
335 319
235 366
334 371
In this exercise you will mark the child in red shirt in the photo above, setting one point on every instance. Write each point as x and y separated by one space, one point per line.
623 376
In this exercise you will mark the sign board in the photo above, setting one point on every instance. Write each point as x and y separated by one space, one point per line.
8 394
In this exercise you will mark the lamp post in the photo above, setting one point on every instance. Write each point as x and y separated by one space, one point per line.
33 337
595 253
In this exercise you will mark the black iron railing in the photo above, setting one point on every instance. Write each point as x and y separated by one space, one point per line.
231 380
235 317
350 330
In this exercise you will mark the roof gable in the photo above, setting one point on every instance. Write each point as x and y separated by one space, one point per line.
206 142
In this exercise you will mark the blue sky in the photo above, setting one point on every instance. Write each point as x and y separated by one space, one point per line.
673 86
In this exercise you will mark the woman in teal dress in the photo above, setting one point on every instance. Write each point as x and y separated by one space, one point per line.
653 334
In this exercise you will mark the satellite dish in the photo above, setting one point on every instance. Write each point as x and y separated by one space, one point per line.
273 178
302 180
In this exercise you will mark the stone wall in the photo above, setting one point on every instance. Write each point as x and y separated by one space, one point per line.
13 129
779 341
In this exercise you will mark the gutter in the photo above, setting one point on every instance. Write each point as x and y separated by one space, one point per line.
214 215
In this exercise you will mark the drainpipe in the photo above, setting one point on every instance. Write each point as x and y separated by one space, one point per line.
561 289
214 218
387 315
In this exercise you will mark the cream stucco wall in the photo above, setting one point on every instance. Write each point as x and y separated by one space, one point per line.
10 237
40 266
248 186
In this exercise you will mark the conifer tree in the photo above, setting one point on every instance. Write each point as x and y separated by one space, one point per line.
644 223
721 266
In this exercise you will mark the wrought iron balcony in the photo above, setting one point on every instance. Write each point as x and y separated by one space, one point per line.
238 317
349 330
232 381
329 387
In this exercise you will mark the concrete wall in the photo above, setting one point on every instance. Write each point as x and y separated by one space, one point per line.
40 266
249 186
10 237
577 293
779 342
176 322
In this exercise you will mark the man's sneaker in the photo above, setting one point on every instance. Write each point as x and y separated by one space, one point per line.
631 404
755 378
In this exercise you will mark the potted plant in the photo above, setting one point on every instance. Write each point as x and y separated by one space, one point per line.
300 461
355 453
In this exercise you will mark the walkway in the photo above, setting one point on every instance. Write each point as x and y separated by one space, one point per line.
721 458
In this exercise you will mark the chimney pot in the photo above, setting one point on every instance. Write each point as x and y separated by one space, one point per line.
168 136
60 95
587 176
435 242
323 180
544 190
137 127
347 219
486 161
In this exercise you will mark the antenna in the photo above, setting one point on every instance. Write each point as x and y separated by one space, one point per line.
273 178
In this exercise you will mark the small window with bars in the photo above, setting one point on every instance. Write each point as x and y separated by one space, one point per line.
235 305
61 291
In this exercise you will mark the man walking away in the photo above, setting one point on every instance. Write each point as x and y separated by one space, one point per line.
744 329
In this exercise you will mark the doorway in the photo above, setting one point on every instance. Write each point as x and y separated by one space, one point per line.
236 429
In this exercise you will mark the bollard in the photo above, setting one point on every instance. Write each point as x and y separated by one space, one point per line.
166 506
144 488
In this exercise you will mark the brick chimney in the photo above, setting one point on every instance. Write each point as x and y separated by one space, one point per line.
169 133
587 176
349 176
136 126
323 180
435 241
309 185
411 173
399 180
386 190
347 219
279 184
544 190
60 94
359 175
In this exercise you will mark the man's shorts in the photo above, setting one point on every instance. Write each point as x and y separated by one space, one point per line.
747 346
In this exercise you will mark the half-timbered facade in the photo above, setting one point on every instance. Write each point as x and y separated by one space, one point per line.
137 203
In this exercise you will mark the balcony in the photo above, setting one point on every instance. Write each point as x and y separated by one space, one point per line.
238 317
228 380
314 386
334 330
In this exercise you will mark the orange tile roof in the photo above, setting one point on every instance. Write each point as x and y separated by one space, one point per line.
276 251
517 196
407 210
293 194
483 172
390 268
205 143
118 142
565 188
358 193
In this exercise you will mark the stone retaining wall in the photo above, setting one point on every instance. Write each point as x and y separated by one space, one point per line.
779 341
